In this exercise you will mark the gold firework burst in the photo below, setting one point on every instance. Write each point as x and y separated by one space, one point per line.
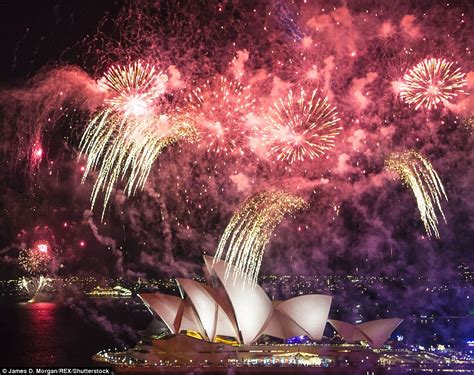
300 126
133 88
123 140
432 82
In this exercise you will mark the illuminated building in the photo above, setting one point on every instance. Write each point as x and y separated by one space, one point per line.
231 321
238 310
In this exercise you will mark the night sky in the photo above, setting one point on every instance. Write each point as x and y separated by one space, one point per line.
360 218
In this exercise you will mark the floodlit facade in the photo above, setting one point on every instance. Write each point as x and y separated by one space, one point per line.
310 312
214 318
251 305
231 312
175 312
234 309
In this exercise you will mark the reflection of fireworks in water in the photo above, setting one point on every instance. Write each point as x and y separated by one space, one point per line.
219 109
300 127
418 173
125 139
431 82
33 286
250 229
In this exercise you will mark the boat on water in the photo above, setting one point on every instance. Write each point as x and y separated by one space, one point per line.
113 292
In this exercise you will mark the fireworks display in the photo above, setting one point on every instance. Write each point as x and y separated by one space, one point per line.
124 140
418 174
300 127
431 83
133 88
219 110
37 259
188 108
33 286
125 149
250 228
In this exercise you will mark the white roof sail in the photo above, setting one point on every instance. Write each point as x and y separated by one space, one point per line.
208 262
165 306
378 331
310 312
251 305
189 321
205 305
225 326
282 326
345 330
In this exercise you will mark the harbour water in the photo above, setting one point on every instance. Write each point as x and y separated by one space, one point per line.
55 334
70 332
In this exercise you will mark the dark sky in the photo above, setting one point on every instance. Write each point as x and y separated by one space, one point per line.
36 34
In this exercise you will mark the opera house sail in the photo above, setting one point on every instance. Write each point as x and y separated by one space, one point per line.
228 320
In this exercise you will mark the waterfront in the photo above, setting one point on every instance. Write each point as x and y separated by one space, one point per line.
61 334
52 334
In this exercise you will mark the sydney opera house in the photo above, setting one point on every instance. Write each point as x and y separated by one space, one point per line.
229 321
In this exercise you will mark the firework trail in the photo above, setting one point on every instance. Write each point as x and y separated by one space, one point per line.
287 20
125 149
417 173
124 140
300 127
219 111
24 284
249 230
432 82
30 114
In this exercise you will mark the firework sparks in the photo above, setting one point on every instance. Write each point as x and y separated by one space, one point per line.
36 155
33 286
42 246
432 82
125 149
37 152
300 127
418 173
124 140
133 88
219 110
249 230
36 259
